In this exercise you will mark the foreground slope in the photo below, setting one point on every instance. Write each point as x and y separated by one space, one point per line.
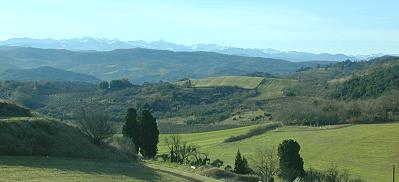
27 136
43 169
367 151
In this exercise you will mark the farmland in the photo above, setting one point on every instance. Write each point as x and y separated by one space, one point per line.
245 82
367 151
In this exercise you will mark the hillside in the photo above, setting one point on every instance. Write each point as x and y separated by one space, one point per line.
367 151
26 136
370 84
9 109
146 65
46 73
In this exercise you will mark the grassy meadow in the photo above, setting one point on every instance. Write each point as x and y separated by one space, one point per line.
246 82
367 151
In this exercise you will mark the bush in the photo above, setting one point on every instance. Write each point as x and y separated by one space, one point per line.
217 163
331 174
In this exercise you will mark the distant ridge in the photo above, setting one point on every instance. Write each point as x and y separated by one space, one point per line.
146 65
46 73
88 43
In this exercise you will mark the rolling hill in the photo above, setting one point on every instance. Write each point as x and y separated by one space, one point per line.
146 65
46 73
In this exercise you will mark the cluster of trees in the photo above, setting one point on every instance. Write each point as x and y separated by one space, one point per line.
370 85
115 84
142 129
329 112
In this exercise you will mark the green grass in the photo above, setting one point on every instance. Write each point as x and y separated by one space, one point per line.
273 87
246 82
367 151
63 169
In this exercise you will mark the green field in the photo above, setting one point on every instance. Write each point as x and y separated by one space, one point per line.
63 169
367 151
246 82
273 87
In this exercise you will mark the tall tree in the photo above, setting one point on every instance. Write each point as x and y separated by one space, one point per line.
241 164
291 162
149 134
130 128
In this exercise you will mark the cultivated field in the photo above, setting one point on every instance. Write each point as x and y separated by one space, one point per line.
367 151
246 82
273 87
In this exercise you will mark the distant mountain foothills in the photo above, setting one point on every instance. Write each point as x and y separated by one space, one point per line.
46 73
88 43
138 65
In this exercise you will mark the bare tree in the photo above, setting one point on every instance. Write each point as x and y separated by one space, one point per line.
95 124
265 164
180 152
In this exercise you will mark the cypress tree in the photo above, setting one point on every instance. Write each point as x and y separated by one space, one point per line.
291 162
130 128
241 164
149 134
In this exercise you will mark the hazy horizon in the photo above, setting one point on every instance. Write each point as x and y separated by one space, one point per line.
337 27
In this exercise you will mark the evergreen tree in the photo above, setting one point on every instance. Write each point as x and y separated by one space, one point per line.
241 164
130 128
291 163
149 134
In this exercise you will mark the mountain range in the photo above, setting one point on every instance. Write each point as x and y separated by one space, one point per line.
93 44
144 65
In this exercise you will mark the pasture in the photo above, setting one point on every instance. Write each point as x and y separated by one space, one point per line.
367 151
245 82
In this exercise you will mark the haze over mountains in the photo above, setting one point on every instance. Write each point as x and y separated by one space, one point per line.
88 43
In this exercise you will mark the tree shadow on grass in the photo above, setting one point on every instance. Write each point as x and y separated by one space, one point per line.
96 167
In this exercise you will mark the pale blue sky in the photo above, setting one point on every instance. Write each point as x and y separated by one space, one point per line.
339 26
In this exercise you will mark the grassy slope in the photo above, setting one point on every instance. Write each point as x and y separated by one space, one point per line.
61 169
367 151
273 87
45 137
239 81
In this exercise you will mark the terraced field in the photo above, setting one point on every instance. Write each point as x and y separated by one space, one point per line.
245 82
367 151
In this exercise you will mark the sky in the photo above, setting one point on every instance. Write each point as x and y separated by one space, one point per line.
339 26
